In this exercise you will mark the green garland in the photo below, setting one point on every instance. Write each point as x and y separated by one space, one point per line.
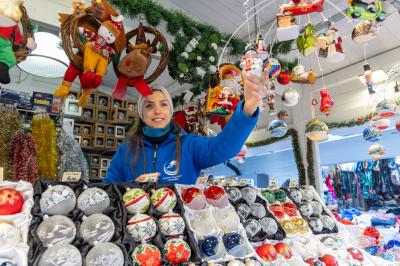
351 123
296 148
310 162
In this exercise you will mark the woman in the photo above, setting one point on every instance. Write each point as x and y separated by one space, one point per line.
176 155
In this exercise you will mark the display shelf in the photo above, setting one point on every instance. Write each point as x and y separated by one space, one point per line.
97 150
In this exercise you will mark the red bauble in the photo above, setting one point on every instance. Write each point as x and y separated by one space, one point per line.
267 252
296 1
283 250
371 231
284 78
398 125
11 201
356 254
189 193
214 192
329 260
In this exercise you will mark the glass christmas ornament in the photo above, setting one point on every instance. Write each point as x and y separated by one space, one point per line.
209 246
316 224
93 200
243 211
105 254
306 209
171 224
317 208
269 225
267 252
296 195
227 219
216 196
329 260
142 227
376 151
194 198
251 262
258 210
146 255
372 134
10 235
202 223
97 228
234 262
11 201
316 130
278 128
328 222
249 194
176 251
233 194
136 200
252 227
163 199
280 195
290 97
283 250
307 194
57 229
57 199
356 254
232 240
61 255
270 196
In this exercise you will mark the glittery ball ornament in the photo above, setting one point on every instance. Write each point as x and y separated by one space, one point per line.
57 229
10 235
283 250
202 223
97 228
249 194
267 252
57 199
280 195
232 240
163 199
146 255
243 211
372 134
93 200
329 260
11 201
284 77
307 194
216 196
234 194
317 208
296 195
61 255
176 251
328 222
194 198
252 227
257 210
269 225
142 227
136 200
105 254
316 224
376 151
306 209
171 224
268 195
290 97
209 246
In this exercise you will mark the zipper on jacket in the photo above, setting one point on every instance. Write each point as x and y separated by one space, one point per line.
155 158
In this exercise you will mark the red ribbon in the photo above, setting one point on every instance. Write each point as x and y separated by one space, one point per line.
121 88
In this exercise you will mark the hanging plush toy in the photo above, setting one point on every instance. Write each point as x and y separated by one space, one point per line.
326 101
134 66
251 62
330 46
10 15
307 41
300 75
302 7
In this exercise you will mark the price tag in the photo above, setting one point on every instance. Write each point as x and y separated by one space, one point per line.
243 182
71 177
150 177
292 183
273 183
1 173
202 180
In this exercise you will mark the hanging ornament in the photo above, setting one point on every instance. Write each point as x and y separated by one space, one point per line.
209 246
387 108
136 200
97 228
326 102
368 78
316 130
299 7
194 198
307 41
61 254
381 123
287 28
146 255
267 252
216 196
171 225
372 134
142 227
57 229
273 68
300 75
176 251
367 11
163 199
57 199
376 151
241 155
284 77
11 201
93 200
271 95
261 47
398 125
278 128
290 97
105 254
251 62
365 31
330 46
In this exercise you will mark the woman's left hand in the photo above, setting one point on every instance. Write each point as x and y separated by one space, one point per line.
254 92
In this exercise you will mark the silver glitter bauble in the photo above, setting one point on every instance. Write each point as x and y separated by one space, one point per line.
317 208
306 209
249 194
316 224
258 210
269 225
328 222
61 255
105 254
57 199
97 228
296 195
307 194
252 227
57 229
243 211
233 194
93 200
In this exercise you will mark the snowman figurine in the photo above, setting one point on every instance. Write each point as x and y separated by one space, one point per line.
251 62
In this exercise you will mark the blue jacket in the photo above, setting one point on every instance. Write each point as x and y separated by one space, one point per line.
197 153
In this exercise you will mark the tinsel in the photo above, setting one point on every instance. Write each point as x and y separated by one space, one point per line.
23 156
44 132
71 158
9 124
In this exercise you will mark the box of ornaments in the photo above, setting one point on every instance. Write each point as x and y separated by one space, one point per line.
220 236
77 224
155 231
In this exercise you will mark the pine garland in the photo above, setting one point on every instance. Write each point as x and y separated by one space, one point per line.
296 149
310 162
353 122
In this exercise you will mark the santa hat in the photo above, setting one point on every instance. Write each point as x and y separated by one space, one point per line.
114 25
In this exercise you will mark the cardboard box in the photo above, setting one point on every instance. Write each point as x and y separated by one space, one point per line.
23 99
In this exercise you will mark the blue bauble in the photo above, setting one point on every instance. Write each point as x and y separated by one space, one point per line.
278 128
372 250
209 246
231 240
8 264
372 134
387 256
